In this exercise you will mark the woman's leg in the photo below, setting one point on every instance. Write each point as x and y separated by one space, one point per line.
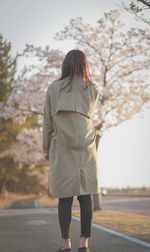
64 215
86 214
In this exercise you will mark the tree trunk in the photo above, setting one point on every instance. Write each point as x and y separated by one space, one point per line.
5 176
97 197
97 201
3 184
48 191
3 191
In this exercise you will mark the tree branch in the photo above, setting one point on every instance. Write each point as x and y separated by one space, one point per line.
145 2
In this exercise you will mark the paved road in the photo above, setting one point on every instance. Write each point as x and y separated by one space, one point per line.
134 204
22 204
37 230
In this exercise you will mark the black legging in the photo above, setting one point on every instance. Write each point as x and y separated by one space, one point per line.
65 213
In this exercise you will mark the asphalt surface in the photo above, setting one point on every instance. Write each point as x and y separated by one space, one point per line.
37 229
22 204
134 204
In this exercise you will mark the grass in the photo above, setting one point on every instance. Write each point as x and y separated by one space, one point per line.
133 224
11 197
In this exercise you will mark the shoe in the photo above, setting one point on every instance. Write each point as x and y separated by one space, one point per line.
64 250
84 249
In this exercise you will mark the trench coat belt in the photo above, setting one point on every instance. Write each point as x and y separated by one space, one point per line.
58 139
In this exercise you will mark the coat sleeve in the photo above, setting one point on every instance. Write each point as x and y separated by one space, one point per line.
47 124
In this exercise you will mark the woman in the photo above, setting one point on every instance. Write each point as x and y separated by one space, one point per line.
69 143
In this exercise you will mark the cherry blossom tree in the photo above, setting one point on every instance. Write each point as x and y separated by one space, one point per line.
139 8
28 90
25 159
119 63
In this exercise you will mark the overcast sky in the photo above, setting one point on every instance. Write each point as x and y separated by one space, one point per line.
123 153
29 21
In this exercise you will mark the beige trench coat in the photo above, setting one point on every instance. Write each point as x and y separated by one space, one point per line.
69 138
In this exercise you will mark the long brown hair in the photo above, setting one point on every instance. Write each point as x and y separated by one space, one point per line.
75 64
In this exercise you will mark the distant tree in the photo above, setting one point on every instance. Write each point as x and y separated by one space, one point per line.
119 63
27 96
21 155
138 8
19 178
11 129
25 103
7 69
7 73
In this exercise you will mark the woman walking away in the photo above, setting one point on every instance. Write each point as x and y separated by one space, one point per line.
69 143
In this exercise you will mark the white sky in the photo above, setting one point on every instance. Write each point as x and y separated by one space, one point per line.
123 155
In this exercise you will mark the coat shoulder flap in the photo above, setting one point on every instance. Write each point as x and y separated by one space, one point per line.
77 100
